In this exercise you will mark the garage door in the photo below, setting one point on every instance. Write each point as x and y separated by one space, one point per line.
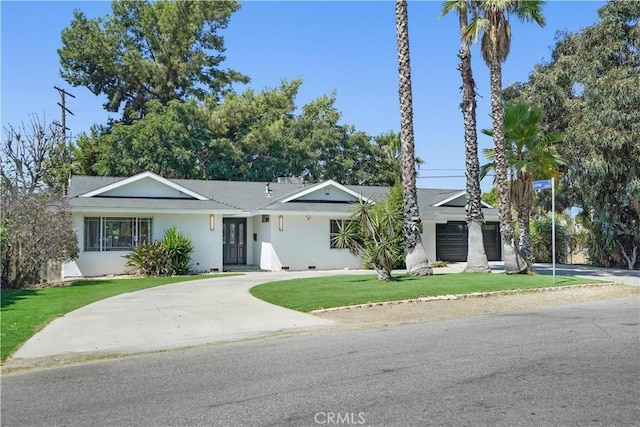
451 241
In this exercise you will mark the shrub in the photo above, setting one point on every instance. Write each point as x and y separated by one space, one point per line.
179 248
541 241
171 256
151 259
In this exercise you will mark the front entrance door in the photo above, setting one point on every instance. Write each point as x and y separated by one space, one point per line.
234 241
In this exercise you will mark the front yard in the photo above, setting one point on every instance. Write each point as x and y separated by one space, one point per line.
336 291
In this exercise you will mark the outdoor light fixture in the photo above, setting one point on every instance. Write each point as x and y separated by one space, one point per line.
280 223
212 222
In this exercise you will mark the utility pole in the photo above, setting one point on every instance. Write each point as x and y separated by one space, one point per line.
63 93
65 110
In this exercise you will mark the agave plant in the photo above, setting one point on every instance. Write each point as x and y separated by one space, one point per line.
375 232
179 249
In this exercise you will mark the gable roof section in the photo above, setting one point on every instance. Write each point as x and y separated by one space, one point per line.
128 181
452 198
301 195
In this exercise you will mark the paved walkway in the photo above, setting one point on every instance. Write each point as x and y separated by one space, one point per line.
205 311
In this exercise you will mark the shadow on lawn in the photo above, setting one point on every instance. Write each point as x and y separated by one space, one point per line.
10 297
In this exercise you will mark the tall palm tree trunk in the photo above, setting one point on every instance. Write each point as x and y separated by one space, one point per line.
513 260
524 235
524 204
415 255
476 255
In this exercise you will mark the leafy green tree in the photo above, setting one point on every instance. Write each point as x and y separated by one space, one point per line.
541 244
375 231
143 51
260 128
531 155
590 92
416 257
172 140
477 261
493 21
491 197
337 151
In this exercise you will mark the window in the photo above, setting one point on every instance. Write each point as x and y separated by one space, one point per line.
335 225
115 233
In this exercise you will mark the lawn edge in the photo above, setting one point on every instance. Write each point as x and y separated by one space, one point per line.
462 296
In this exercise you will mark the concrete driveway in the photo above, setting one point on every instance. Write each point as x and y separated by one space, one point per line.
172 316
207 311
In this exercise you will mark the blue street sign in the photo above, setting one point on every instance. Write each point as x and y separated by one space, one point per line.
541 185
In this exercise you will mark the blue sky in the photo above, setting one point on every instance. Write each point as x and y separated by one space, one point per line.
346 47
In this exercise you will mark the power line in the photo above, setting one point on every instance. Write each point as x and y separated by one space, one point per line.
447 176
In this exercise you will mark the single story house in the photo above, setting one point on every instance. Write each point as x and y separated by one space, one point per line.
273 226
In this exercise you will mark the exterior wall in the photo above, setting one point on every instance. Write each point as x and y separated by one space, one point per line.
207 244
262 250
304 242
429 239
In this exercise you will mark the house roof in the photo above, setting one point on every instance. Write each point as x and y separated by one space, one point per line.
240 197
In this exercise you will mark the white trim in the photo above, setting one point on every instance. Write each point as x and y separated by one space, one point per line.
322 185
455 196
133 210
140 176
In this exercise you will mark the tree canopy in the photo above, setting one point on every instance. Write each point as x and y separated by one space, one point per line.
143 51
252 136
589 90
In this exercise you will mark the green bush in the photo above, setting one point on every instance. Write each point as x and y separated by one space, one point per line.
171 256
541 241
151 259
179 248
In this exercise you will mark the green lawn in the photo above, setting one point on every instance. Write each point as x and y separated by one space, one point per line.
337 291
25 312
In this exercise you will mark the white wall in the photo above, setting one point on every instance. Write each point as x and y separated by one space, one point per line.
303 243
429 239
207 244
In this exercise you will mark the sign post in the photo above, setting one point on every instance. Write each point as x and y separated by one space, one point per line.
541 185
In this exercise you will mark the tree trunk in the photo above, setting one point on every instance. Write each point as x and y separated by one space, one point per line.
524 238
415 255
384 274
513 260
476 255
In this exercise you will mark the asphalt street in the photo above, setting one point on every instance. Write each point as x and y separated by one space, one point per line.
571 365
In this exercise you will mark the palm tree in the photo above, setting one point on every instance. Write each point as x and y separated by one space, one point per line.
390 144
415 255
531 155
476 256
493 20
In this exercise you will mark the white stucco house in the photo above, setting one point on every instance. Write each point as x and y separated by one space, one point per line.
275 226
